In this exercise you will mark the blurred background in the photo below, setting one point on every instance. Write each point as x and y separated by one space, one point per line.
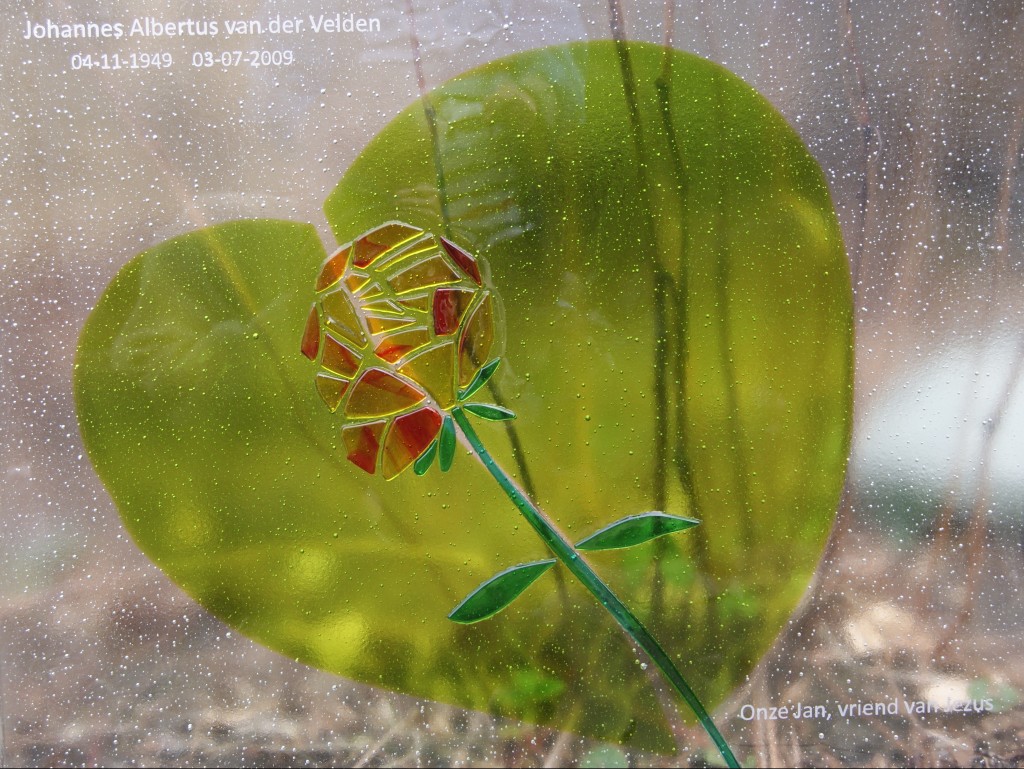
914 110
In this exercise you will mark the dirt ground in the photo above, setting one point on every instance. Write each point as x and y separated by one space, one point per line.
130 672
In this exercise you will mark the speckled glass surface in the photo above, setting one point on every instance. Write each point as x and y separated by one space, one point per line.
905 650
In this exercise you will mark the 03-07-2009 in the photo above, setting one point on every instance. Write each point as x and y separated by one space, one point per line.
250 58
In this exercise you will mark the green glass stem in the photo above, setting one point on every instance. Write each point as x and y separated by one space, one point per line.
568 555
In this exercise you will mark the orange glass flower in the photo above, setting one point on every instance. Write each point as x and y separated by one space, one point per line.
402 320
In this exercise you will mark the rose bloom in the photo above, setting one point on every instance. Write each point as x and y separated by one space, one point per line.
402 320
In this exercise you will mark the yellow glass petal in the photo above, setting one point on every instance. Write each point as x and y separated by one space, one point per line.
341 316
385 325
476 341
402 258
371 290
385 307
331 389
378 394
432 272
355 282
339 358
434 370
419 303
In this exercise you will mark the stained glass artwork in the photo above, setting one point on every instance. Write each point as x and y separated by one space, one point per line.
197 568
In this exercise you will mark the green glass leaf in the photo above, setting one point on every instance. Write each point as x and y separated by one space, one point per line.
426 459
498 592
479 380
446 444
201 418
489 411
635 529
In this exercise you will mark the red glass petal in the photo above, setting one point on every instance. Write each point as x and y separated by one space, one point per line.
391 351
384 238
408 438
311 336
366 251
333 269
363 442
398 345
450 305
446 311
465 261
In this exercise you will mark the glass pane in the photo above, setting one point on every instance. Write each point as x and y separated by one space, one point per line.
888 635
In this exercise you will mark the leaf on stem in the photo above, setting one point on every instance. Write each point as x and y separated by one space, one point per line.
426 459
635 529
498 592
489 411
447 444
479 380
